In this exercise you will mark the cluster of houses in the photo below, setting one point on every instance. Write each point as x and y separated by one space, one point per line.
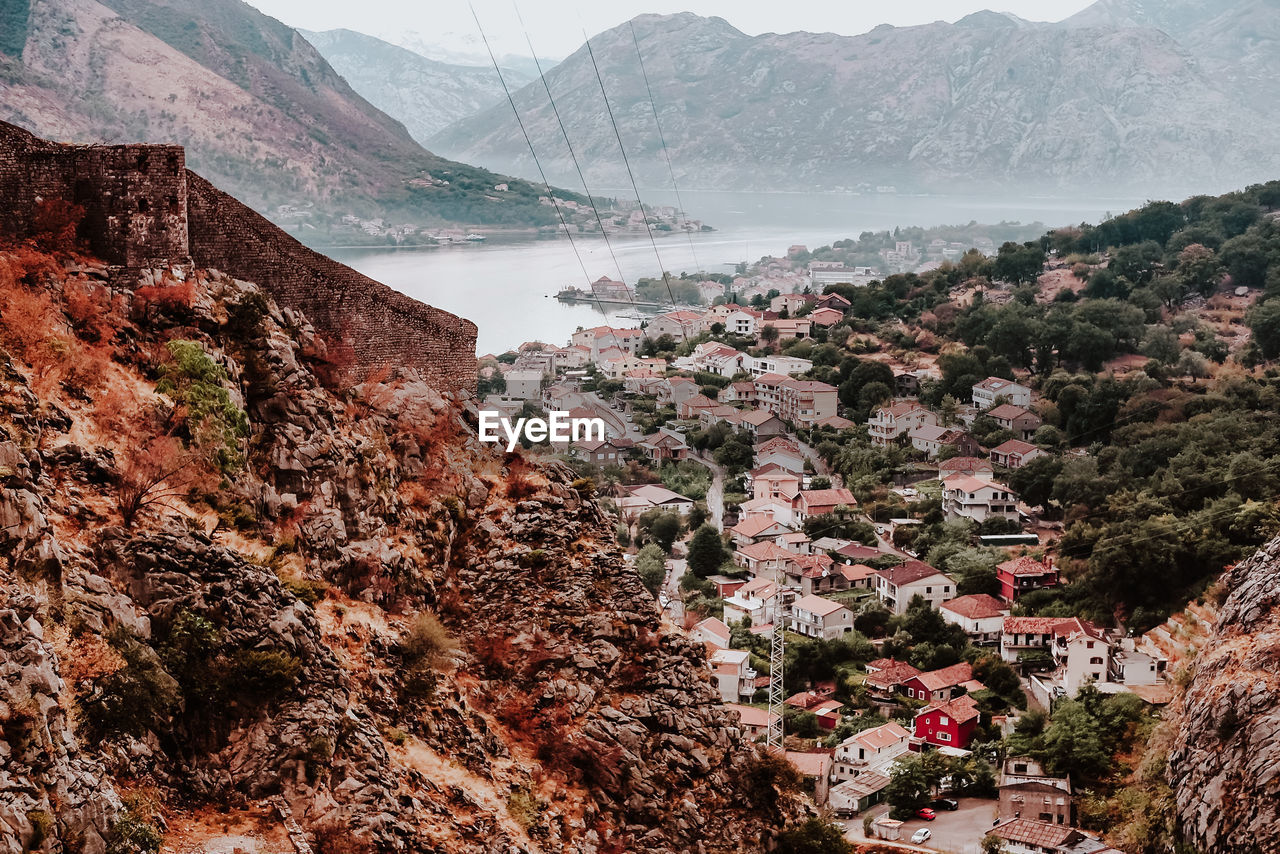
787 575
969 487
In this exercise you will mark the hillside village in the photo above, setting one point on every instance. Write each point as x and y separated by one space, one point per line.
789 464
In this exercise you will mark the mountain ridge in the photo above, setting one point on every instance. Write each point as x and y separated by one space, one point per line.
962 107
426 95
247 96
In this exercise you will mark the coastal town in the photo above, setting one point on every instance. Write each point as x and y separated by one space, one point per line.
777 467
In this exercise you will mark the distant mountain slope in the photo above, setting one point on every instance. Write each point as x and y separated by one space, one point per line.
1237 41
258 108
987 102
425 95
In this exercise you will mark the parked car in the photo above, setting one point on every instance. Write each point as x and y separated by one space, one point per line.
926 813
945 804
922 835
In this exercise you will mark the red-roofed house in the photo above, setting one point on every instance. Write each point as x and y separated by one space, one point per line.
972 466
1015 453
949 724
859 552
782 452
733 673
826 316
965 497
763 560
1029 836
820 502
756 529
692 407
886 676
938 686
712 631
815 766
1022 423
858 575
872 750
762 424
981 615
773 481
897 585
755 722
739 392
662 446
1024 574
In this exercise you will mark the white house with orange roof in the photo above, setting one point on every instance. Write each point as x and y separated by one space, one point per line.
733 674
756 529
754 722
677 390
890 422
805 402
774 508
713 632
789 327
781 451
981 615
763 560
739 392
872 750
820 502
755 601
965 497
743 321
815 617
680 325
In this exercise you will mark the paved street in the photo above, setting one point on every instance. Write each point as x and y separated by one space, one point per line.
715 495
958 832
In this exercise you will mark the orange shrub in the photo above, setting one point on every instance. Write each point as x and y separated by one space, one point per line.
54 224
172 299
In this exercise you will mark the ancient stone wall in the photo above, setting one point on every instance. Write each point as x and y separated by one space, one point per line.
134 196
142 207
380 325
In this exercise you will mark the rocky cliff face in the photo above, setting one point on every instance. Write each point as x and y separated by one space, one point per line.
426 95
990 101
407 641
1225 765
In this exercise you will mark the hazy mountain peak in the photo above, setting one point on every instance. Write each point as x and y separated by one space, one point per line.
986 102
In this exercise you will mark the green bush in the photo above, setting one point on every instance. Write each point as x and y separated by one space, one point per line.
263 673
138 697
133 835
197 386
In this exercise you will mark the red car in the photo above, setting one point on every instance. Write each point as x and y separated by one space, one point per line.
926 814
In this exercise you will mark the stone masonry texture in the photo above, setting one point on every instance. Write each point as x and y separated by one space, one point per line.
142 207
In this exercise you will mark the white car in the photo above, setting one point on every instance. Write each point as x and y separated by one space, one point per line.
922 835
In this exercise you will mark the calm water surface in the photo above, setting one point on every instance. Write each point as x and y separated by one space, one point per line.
507 286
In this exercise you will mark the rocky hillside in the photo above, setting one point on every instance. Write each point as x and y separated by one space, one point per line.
1223 769
233 593
990 101
426 95
259 110
1237 42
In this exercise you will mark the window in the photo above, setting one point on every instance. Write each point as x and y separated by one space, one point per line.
943 736
942 721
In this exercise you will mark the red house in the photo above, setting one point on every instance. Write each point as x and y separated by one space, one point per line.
1024 574
938 686
949 724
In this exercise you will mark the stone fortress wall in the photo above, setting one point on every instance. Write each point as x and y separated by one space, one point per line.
143 207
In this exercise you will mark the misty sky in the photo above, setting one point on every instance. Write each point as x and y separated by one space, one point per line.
556 26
